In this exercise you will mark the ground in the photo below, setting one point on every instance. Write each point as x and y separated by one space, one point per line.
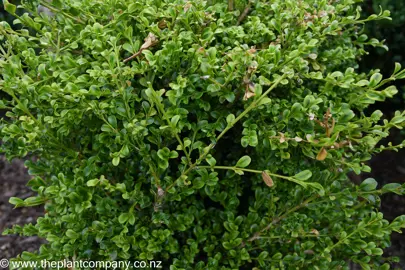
13 179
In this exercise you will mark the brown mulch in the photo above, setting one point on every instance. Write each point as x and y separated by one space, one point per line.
13 180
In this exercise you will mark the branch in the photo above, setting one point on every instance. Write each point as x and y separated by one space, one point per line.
278 219
244 13
248 109
150 41
161 109
55 10
133 56
230 5
243 169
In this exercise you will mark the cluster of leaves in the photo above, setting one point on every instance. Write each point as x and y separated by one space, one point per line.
5 16
382 58
387 29
208 135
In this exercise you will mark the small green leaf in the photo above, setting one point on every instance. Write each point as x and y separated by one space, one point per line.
164 153
210 160
174 154
303 176
375 79
16 201
264 101
128 47
116 161
230 118
318 187
33 201
124 151
163 164
92 183
376 115
244 255
277 256
376 251
394 187
175 119
123 218
131 219
112 120
385 266
10 8
397 119
42 70
362 83
243 162
263 255
106 128
227 245
390 91
72 234
264 81
397 67
368 184
213 88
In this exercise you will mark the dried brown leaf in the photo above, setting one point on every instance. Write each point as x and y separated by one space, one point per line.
282 138
162 24
322 154
267 179
252 50
150 41
248 94
251 87
187 6
298 139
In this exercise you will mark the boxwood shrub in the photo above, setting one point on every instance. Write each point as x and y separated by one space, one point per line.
204 134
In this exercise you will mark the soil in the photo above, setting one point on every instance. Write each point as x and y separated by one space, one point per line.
13 180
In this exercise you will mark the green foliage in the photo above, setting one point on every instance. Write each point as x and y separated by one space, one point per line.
202 137
391 32
387 29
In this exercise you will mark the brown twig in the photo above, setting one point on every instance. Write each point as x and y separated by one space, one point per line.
150 41
244 13
278 219
133 56
230 5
